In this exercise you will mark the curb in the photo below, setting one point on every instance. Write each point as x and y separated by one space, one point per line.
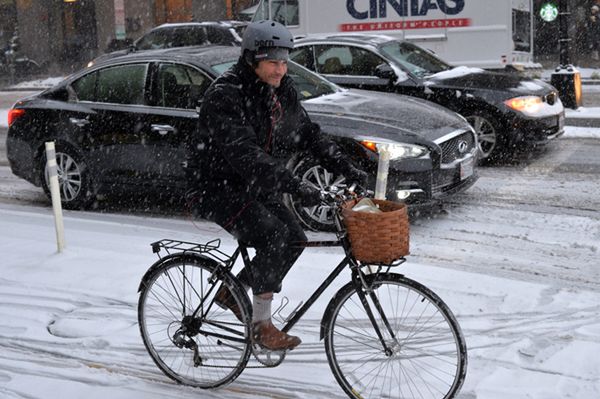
583 122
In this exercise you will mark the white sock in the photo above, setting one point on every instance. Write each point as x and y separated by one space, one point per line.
261 309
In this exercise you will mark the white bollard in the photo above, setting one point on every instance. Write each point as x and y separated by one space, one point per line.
55 195
382 171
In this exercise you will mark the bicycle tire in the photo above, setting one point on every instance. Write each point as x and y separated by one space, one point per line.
172 290
429 354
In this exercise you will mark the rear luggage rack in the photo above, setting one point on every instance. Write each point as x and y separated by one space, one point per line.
210 248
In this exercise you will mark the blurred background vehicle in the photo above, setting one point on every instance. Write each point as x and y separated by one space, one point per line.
509 112
225 33
121 125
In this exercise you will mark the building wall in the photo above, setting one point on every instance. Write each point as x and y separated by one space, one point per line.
33 20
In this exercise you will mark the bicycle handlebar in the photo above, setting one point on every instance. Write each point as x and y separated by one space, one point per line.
338 194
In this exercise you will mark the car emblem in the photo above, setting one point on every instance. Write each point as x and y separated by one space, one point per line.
463 146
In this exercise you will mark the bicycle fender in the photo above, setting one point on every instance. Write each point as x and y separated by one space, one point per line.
183 256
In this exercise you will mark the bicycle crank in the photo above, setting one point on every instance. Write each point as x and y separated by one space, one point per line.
268 357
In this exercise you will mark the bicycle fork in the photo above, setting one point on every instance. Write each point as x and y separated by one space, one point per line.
362 289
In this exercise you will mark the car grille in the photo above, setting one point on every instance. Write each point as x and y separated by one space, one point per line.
457 147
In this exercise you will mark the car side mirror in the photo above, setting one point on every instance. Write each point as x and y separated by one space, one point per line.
384 71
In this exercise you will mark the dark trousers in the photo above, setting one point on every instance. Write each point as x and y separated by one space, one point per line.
267 226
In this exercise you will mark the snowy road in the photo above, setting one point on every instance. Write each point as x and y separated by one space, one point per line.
516 258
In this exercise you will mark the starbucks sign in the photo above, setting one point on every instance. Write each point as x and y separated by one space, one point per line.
549 12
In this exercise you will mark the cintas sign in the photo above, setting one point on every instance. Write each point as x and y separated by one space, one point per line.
361 9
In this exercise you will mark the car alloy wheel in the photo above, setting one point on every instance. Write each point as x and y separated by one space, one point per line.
487 136
73 182
318 217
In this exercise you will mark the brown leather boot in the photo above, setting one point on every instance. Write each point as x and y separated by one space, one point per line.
225 300
265 334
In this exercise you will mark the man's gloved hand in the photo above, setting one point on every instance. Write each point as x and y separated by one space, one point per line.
308 195
354 175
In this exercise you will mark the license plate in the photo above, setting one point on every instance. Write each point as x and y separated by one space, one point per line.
466 168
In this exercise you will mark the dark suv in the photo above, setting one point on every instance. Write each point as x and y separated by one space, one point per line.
225 33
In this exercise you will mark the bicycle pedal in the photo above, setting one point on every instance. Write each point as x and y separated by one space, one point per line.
268 357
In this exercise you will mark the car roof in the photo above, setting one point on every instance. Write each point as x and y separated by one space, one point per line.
356 38
225 24
207 55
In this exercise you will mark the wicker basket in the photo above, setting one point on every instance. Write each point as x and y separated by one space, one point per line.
377 237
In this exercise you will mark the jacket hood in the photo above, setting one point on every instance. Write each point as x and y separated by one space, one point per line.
475 78
383 115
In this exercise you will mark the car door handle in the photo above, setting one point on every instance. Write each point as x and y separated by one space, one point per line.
79 122
163 129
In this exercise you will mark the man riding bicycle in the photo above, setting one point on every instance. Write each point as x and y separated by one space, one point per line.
250 122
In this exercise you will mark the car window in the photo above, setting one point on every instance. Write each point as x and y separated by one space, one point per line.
334 60
153 40
123 84
415 59
85 87
180 86
188 36
285 12
308 84
218 35
304 57
346 60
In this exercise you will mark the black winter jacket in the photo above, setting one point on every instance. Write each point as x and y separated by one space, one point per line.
244 138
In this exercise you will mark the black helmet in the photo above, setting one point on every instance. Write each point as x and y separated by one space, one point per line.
266 40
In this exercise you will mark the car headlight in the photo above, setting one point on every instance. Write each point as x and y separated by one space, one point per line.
396 150
529 105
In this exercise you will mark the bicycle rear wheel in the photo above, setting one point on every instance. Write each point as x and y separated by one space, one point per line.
427 355
207 349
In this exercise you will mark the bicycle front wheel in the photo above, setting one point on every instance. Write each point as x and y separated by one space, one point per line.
189 337
426 354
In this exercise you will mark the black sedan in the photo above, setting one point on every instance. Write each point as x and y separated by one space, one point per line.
122 124
507 110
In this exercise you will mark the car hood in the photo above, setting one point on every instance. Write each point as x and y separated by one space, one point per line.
353 113
475 78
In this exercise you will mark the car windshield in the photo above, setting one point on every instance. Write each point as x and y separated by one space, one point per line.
413 58
308 84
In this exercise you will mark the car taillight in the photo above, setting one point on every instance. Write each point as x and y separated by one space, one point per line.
13 114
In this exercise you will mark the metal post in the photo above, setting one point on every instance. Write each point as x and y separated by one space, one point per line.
564 43
566 77
55 195
382 171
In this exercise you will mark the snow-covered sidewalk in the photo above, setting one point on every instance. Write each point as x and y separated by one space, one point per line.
69 325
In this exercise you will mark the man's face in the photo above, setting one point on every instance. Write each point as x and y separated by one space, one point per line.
271 71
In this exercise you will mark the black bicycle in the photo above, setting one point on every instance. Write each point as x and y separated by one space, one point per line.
386 336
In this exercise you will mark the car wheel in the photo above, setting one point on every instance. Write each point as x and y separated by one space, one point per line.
74 182
488 135
318 217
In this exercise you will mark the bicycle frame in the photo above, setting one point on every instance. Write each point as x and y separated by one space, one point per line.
357 277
